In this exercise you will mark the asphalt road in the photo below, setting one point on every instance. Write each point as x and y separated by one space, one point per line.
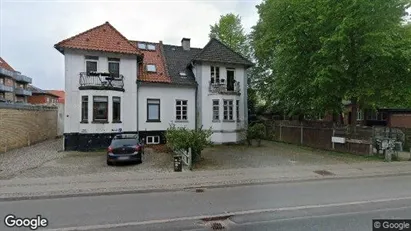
348 204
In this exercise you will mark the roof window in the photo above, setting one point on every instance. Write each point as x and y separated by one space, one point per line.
151 47
142 46
183 74
151 68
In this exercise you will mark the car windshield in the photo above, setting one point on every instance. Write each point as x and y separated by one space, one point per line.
123 142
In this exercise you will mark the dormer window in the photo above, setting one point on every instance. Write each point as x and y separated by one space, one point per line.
142 46
151 68
151 47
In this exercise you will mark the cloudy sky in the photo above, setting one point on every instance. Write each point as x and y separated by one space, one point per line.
30 28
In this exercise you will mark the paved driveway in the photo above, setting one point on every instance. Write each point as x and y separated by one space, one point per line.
46 159
271 154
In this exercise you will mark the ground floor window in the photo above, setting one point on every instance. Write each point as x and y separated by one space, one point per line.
152 139
237 109
216 109
116 109
153 110
100 108
228 110
84 108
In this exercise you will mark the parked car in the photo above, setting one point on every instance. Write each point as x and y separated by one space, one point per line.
125 148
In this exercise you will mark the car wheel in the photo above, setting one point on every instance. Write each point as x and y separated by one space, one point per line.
109 163
139 161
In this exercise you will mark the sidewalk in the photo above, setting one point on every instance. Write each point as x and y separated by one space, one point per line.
129 182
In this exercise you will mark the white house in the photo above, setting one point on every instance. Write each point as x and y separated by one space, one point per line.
114 85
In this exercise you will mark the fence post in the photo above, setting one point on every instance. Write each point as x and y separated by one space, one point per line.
301 132
281 138
333 145
190 157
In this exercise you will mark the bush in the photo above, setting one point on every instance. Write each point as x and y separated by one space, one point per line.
182 138
257 132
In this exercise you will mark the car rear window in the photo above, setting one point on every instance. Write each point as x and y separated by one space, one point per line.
123 142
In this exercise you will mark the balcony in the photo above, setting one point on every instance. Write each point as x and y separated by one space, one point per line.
22 91
225 88
4 88
101 81
22 78
6 72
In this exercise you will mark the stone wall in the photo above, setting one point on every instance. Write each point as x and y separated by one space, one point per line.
24 125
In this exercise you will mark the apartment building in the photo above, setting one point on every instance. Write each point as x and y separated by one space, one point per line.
13 85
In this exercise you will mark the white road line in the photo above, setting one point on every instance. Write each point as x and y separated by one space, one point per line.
247 212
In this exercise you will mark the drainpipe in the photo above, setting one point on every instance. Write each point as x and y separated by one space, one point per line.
195 109
137 107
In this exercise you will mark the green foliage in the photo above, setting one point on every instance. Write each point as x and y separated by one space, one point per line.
230 31
256 132
318 53
181 138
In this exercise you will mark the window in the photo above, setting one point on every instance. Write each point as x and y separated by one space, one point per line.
84 108
142 46
1 81
215 74
151 68
216 109
228 109
152 139
359 115
114 66
91 63
116 109
181 110
183 74
153 110
237 109
151 47
100 108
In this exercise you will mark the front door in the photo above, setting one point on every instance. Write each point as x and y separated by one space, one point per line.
230 80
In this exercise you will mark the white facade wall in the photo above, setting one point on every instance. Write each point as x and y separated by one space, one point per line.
168 96
74 64
223 131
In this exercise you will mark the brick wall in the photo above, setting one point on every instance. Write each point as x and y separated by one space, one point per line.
22 126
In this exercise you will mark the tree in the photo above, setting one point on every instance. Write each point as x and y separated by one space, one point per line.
325 51
230 31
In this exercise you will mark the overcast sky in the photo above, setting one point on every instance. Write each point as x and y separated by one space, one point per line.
30 28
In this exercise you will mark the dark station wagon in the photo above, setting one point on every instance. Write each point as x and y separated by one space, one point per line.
125 148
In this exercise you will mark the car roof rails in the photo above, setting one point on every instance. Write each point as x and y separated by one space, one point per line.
126 136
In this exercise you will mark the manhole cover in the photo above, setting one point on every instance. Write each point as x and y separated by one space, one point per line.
324 173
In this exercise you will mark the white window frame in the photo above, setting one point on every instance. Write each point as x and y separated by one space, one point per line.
179 112
237 109
227 107
151 47
90 60
214 77
143 46
155 68
115 62
151 139
216 110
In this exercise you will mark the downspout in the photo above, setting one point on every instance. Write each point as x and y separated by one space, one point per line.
137 108
196 109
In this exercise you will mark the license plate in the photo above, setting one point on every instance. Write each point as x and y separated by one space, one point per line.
123 158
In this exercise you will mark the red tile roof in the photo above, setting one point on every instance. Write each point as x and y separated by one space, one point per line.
5 65
101 38
153 57
58 93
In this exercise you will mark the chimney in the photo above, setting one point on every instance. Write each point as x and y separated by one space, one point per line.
185 43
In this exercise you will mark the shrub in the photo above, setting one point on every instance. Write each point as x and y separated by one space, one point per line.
182 138
257 132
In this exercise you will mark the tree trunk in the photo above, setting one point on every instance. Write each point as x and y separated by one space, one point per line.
354 109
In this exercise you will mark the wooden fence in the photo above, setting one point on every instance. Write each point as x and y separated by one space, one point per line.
319 135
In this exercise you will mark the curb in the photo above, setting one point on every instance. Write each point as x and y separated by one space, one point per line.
204 186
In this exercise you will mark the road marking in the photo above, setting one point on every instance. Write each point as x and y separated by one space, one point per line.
246 212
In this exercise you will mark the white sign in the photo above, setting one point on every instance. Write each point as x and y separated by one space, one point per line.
340 140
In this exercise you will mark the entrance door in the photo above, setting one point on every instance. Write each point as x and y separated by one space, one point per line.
230 80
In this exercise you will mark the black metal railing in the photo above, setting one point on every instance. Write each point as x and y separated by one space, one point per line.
101 81
224 88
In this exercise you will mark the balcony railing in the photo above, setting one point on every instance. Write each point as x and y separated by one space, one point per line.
22 91
101 81
224 88
6 72
22 78
4 88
